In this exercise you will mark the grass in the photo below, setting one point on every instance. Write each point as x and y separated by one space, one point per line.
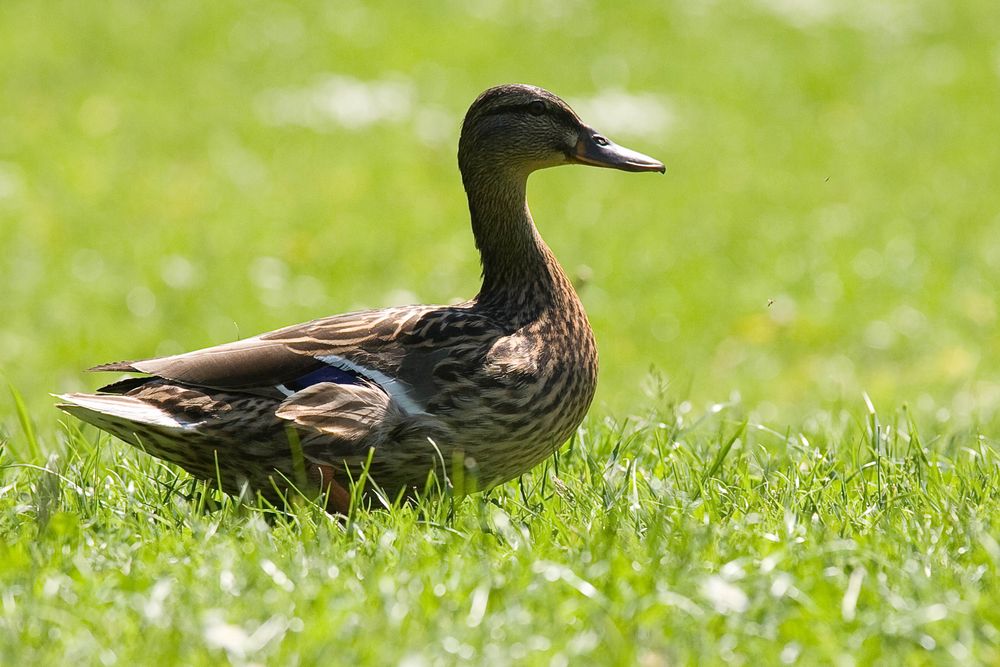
677 539
826 232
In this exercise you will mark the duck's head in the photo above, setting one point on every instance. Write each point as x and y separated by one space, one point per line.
516 128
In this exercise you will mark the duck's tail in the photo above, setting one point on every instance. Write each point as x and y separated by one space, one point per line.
114 412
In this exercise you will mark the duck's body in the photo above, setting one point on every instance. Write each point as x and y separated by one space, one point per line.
486 389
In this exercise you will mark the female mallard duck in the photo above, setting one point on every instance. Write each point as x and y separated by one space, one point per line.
493 385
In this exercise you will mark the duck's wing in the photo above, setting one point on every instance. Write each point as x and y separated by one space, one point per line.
396 349
272 358
245 365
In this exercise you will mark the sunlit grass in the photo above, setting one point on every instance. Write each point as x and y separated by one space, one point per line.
679 538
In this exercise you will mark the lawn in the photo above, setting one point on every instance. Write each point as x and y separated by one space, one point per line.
793 454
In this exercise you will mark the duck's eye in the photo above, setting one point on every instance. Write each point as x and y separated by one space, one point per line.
536 108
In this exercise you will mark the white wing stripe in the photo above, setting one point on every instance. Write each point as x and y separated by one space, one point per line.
396 389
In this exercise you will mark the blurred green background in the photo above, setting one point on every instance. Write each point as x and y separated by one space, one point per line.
181 174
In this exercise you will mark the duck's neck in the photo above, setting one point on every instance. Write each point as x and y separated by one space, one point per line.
520 274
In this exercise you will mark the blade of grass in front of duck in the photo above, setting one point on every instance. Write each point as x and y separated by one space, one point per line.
27 428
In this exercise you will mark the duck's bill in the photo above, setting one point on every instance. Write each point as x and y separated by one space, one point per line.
598 151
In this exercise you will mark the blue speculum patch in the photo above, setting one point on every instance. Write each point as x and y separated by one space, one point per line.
324 374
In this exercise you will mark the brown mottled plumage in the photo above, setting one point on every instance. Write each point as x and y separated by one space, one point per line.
490 387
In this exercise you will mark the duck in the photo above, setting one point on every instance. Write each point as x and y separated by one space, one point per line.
464 396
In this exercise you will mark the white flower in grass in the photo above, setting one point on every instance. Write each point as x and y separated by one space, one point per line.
725 597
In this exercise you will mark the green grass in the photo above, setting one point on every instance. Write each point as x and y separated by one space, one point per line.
826 231
678 539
